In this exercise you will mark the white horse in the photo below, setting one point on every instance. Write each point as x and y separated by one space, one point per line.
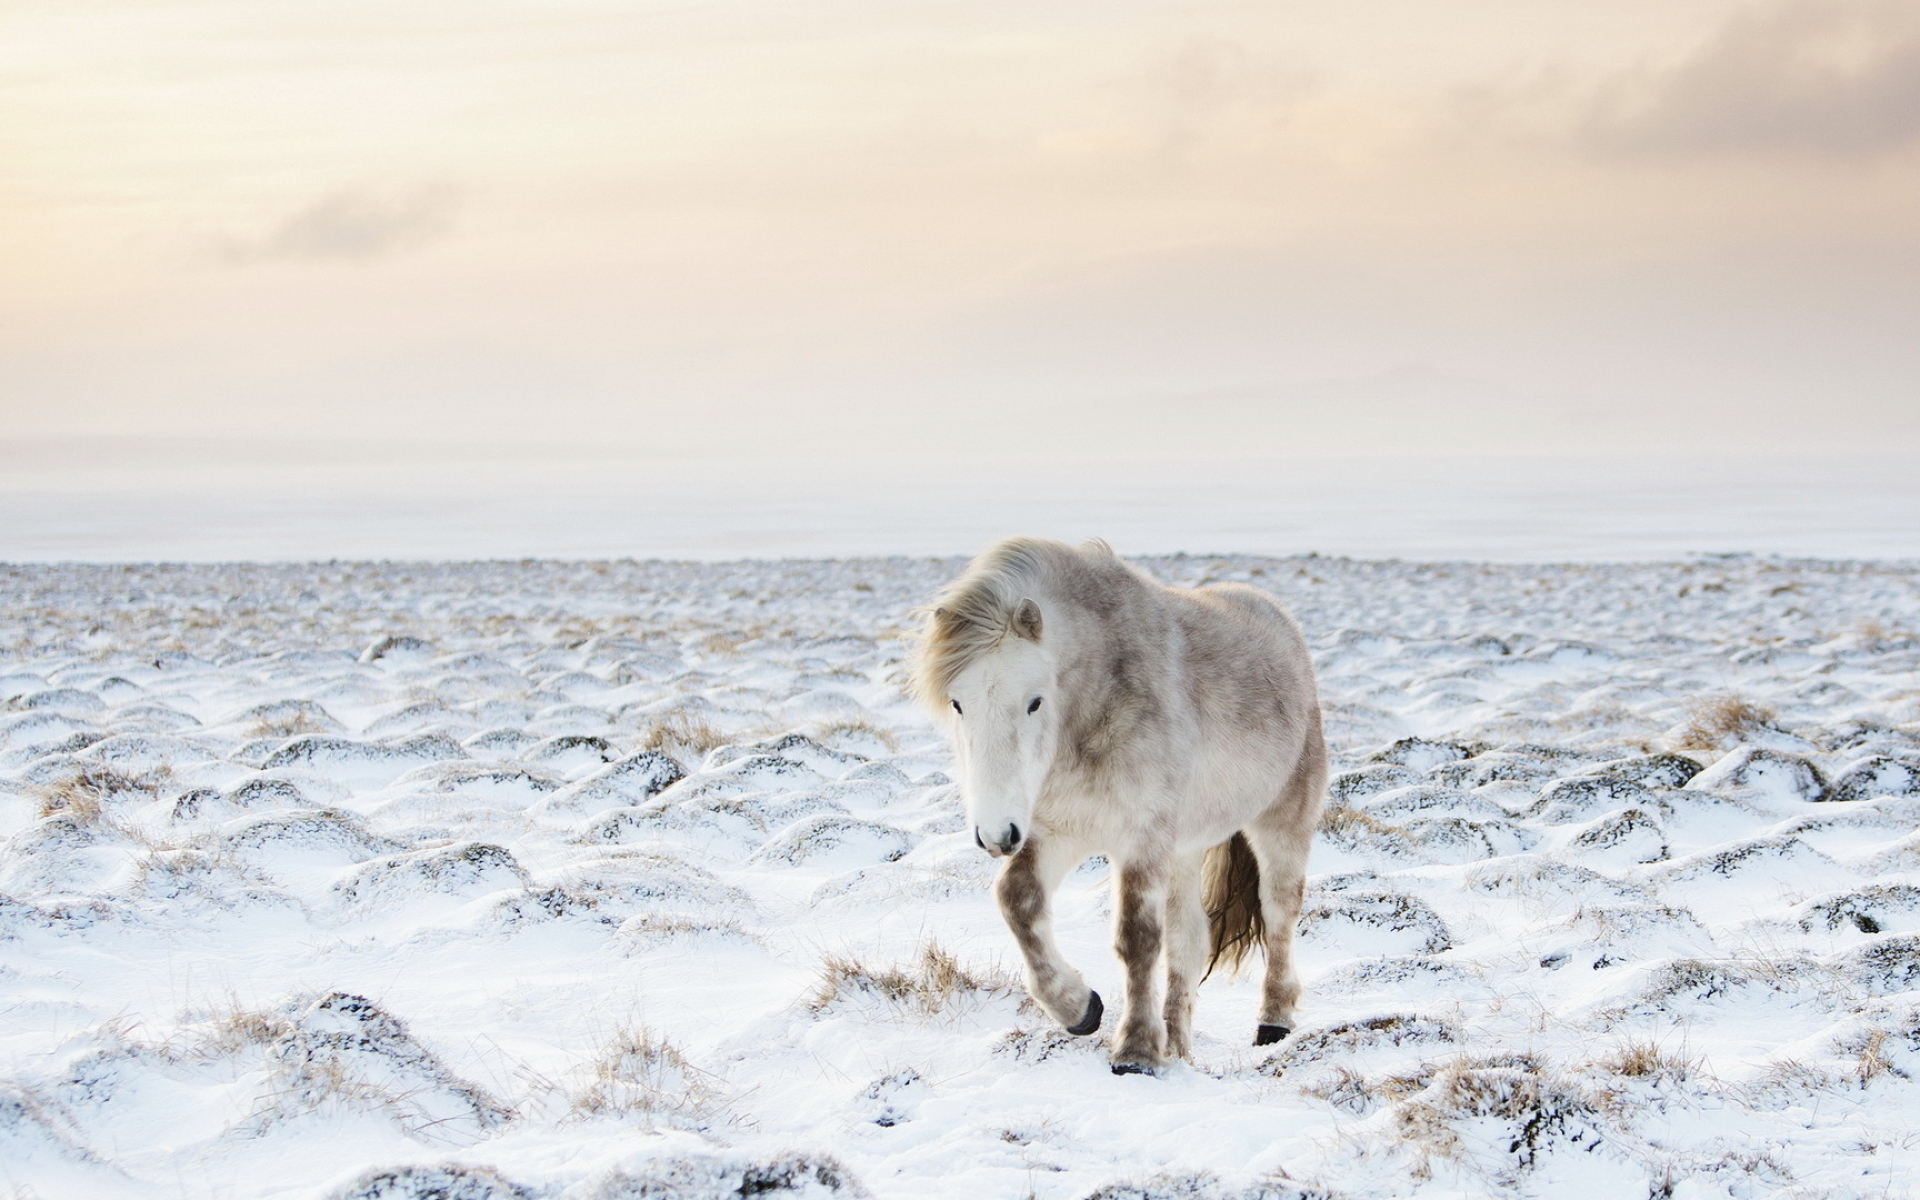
1175 731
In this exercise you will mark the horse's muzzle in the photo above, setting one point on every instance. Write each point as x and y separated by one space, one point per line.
1007 843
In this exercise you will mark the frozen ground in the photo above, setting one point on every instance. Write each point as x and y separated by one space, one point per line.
603 880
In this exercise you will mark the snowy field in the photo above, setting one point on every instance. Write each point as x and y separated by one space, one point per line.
615 880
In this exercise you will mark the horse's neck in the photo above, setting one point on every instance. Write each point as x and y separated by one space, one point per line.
1091 645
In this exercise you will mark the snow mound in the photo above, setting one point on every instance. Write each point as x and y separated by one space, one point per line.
345 1050
324 834
1582 798
1759 772
1205 1185
719 1177
834 841
450 1182
472 869
1374 924
1876 776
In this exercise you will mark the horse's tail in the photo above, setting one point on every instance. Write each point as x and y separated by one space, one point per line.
1232 898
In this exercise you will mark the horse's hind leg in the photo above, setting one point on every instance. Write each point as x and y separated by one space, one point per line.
1280 839
1025 891
1283 888
1186 951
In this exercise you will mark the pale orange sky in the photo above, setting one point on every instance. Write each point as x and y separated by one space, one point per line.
861 227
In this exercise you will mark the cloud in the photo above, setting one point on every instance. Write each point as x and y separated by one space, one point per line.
1210 96
1838 78
350 225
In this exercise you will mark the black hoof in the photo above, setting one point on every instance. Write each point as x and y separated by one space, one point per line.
1267 1035
1132 1069
1091 1021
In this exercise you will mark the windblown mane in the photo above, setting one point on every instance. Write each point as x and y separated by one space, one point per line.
977 610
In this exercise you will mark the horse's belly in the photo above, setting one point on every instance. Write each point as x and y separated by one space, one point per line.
1113 825
1200 835
1228 791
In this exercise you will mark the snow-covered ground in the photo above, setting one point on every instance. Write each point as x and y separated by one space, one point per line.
618 879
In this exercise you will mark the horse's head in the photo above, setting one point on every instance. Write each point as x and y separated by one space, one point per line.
1004 717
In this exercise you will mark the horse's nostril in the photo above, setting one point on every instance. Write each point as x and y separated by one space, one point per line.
1013 838
977 839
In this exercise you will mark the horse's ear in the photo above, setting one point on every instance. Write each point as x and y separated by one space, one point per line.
1026 620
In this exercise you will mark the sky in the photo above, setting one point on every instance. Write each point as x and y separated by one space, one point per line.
867 227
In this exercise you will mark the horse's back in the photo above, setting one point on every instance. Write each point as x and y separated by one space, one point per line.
1250 688
1237 629
1255 605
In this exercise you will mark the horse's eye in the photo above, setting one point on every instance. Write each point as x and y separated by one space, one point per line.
1034 707
956 705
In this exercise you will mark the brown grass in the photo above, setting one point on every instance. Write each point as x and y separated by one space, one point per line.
82 796
1871 1060
729 642
1540 1109
1789 1080
291 725
641 1074
648 929
239 1030
1712 721
683 732
1646 1060
1353 822
1351 1091
856 727
292 1086
317 1084
926 987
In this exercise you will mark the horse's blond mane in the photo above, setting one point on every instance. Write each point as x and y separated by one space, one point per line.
977 610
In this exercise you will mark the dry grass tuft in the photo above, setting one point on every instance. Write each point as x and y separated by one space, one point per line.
83 795
1352 822
927 987
240 1030
374 1065
1354 1092
640 1074
648 930
858 727
77 804
1538 1110
730 642
682 732
294 1083
321 1083
291 725
1871 1060
1646 1060
1714 721
1361 831
1789 1082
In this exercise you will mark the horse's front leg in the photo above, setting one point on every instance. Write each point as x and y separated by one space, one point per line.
1186 951
1139 930
1025 891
